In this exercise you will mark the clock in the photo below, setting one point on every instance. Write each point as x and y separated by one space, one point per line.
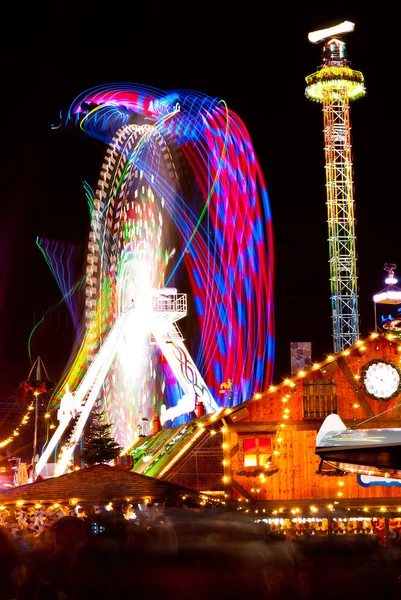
381 379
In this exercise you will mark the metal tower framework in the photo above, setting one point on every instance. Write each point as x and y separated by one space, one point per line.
334 86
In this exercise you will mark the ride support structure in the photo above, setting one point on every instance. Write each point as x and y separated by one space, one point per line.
334 86
167 307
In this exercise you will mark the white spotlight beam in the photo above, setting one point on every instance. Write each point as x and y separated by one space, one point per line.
56 437
104 359
89 387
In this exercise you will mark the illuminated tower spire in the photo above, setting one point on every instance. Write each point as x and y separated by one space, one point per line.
334 86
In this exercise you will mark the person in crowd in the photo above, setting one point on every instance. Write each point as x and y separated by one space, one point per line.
180 554
12 567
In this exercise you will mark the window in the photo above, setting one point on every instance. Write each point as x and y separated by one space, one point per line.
319 398
257 451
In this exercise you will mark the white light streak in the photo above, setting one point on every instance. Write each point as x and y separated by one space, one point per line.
322 34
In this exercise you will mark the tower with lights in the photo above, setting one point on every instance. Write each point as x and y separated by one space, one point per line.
334 86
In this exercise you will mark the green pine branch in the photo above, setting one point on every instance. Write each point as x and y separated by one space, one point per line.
99 446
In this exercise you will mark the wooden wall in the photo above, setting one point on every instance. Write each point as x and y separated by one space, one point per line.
296 461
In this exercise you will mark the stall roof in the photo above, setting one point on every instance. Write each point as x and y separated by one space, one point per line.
98 483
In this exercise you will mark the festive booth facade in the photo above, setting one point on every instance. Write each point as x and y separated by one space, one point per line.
271 442
260 456
92 493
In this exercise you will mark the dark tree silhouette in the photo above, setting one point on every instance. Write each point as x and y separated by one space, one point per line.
99 446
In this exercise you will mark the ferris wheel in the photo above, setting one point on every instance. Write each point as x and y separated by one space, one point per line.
180 205
127 258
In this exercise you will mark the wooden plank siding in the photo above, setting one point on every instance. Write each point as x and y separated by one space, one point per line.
309 399
319 398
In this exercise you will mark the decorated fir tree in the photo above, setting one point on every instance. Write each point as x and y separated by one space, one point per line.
99 446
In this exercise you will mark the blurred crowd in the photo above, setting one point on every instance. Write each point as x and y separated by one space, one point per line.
187 554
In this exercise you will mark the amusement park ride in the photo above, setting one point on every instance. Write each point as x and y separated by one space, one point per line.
335 85
377 451
133 354
166 307
180 201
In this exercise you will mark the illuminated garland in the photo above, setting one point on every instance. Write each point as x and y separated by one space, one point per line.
359 345
17 430
286 387
257 472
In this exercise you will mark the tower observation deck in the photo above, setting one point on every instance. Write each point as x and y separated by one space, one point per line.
334 86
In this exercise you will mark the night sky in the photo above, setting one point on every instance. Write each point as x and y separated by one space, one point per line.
258 67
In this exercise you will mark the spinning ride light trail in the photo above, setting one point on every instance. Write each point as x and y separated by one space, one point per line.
88 389
59 259
181 201
166 307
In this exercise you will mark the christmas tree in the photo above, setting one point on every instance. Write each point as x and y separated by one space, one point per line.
99 446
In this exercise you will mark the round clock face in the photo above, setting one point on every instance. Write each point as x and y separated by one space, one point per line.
381 379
